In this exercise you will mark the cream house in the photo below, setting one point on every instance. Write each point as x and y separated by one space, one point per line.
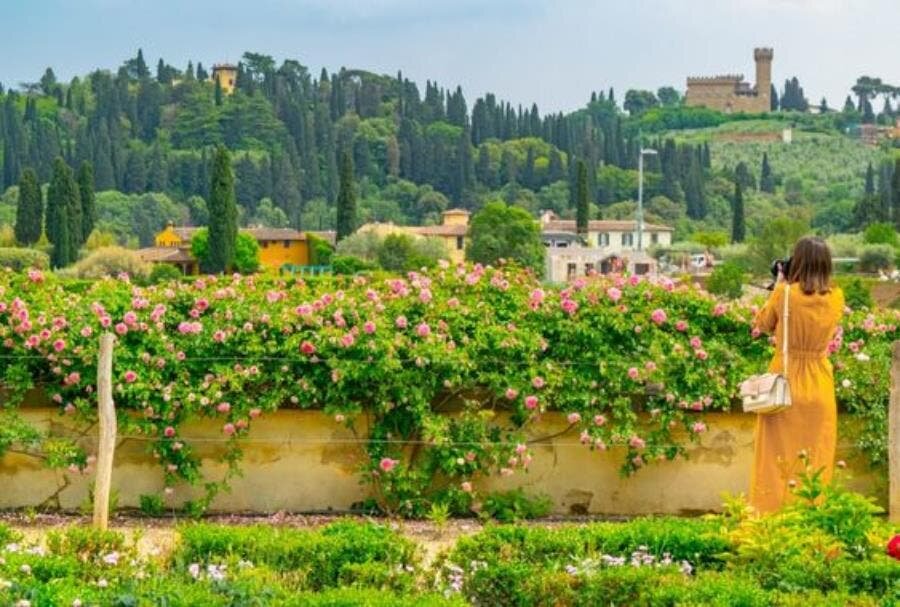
613 236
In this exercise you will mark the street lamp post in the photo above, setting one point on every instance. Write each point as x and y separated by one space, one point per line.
640 207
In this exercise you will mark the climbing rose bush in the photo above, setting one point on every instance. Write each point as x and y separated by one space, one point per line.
447 369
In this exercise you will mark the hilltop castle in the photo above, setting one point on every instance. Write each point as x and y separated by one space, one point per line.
729 93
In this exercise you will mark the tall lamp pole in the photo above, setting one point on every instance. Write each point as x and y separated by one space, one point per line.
640 206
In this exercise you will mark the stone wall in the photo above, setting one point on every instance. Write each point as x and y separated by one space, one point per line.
304 461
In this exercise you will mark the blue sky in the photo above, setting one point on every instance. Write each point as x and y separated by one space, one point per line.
550 52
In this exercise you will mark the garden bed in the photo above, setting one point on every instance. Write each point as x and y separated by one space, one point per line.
825 549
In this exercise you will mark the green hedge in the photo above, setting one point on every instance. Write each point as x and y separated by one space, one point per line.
335 555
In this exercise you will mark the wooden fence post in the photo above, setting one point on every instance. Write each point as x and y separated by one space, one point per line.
107 446
894 437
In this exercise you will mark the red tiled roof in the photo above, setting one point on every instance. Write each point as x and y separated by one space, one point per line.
440 230
167 254
260 234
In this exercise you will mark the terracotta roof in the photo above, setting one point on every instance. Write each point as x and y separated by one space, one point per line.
601 225
261 234
441 230
167 254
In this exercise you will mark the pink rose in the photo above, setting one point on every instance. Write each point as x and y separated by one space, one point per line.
121 328
681 326
228 429
423 330
59 345
369 327
466 486
538 382
307 348
169 432
531 401
633 373
696 343
658 316
719 310
599 420
387 464
573 418
702 355
698 427
223 407
569 306
511 394
255 412
130 376
614 294
636 442
401 322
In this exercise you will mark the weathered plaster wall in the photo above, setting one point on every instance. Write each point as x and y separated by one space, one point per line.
304 461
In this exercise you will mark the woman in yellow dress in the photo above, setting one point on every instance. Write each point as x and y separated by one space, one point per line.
810 424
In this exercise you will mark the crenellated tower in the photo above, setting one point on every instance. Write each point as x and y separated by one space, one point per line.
763 58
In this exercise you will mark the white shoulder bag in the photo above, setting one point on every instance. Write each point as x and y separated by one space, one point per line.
770 392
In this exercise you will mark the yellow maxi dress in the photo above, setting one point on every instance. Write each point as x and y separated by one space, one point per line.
810 423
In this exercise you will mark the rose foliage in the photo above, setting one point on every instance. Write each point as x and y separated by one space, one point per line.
440 374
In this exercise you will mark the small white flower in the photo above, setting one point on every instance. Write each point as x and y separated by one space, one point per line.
12 548
862 357
846 383
76 603
194 570
26 569
111 559
4 584
23 603
102 583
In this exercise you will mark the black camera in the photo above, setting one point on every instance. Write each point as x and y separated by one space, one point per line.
779 266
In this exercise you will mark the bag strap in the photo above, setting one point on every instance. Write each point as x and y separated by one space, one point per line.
786 321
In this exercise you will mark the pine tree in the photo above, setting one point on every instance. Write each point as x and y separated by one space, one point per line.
62 201
30 209
223 218
86 192
582 201
346 201
766 178
738 229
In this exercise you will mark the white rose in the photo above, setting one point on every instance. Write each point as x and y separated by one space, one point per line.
846 383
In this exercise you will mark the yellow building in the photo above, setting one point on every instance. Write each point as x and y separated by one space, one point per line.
226 74
277 247
452 232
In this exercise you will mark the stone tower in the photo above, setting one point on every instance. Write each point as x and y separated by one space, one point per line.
763 58
226 74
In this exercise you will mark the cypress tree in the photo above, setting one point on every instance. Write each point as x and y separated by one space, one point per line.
62 201
346 200
86 192
30 210
738 230
218 92
766 178
870 180
222 206
773 97
895 194
582 201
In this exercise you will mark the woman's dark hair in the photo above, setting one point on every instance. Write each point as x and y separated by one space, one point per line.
811 266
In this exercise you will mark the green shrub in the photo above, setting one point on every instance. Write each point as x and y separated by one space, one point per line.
880 233
23 259
320 250
346 597
152 505
347 264
856 293
163 272
515 505
874 257
110 261
318 558
726 280
694 540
